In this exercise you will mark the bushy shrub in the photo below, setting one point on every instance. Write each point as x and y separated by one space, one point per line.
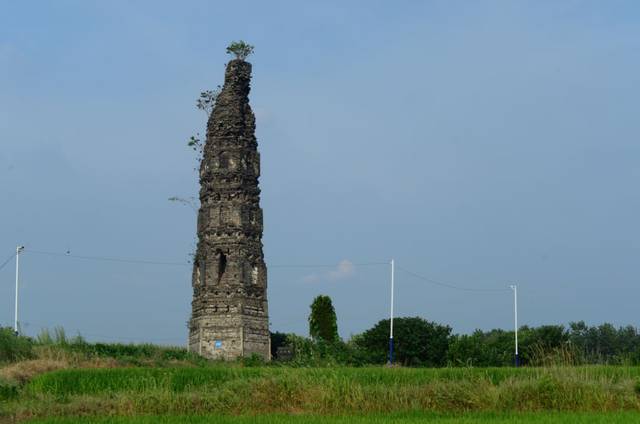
254 360
240 49
8 389
14 348
417 342
310 352
493 348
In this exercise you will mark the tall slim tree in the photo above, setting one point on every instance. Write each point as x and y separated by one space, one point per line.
323 323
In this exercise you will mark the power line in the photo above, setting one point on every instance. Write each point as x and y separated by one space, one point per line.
7 261
68 254
329 266
451 286
108 259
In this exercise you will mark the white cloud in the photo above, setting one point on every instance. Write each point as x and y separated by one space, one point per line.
345 269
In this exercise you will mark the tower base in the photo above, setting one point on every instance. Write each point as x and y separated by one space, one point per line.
224 341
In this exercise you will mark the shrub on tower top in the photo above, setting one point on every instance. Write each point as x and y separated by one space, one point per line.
240 49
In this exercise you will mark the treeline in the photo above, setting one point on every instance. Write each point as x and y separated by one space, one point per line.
418 342
576 344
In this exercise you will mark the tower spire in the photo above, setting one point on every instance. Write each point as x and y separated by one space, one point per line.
229 315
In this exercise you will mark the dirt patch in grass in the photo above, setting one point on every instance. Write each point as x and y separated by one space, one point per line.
23 372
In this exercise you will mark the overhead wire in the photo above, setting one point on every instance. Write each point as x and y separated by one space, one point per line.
452 286
7 261
68 254
107 259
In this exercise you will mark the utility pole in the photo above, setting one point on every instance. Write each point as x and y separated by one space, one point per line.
391 317
15 322
515 318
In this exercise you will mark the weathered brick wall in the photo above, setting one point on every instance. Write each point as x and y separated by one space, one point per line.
229 315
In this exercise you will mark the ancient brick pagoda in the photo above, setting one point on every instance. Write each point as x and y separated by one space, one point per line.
229 316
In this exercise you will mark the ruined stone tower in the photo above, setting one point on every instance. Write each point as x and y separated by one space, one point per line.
229 316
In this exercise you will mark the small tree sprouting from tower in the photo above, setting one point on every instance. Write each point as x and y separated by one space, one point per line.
323 323
205 103
240 49
207 100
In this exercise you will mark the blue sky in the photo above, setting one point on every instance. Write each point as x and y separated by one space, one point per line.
476 142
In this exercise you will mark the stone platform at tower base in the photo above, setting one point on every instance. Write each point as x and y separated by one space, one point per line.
228 341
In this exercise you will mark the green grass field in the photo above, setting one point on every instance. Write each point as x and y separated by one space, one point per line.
113 380
535 418
229 393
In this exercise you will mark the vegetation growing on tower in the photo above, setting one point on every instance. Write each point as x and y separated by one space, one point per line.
240 49
207 100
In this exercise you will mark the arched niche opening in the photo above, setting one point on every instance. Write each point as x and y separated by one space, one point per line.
222 263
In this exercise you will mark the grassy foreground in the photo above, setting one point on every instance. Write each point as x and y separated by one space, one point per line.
182 379
536 418
376 394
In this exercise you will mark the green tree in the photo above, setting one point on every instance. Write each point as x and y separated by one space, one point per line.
605 343
481 349
240 49
543 344
323 323
417 342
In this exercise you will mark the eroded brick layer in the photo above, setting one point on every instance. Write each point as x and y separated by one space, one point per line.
229 315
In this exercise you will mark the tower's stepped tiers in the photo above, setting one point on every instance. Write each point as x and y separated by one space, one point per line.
229 310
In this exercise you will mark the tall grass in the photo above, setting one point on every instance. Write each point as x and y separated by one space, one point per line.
56 345
259 390
94 381
537 418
